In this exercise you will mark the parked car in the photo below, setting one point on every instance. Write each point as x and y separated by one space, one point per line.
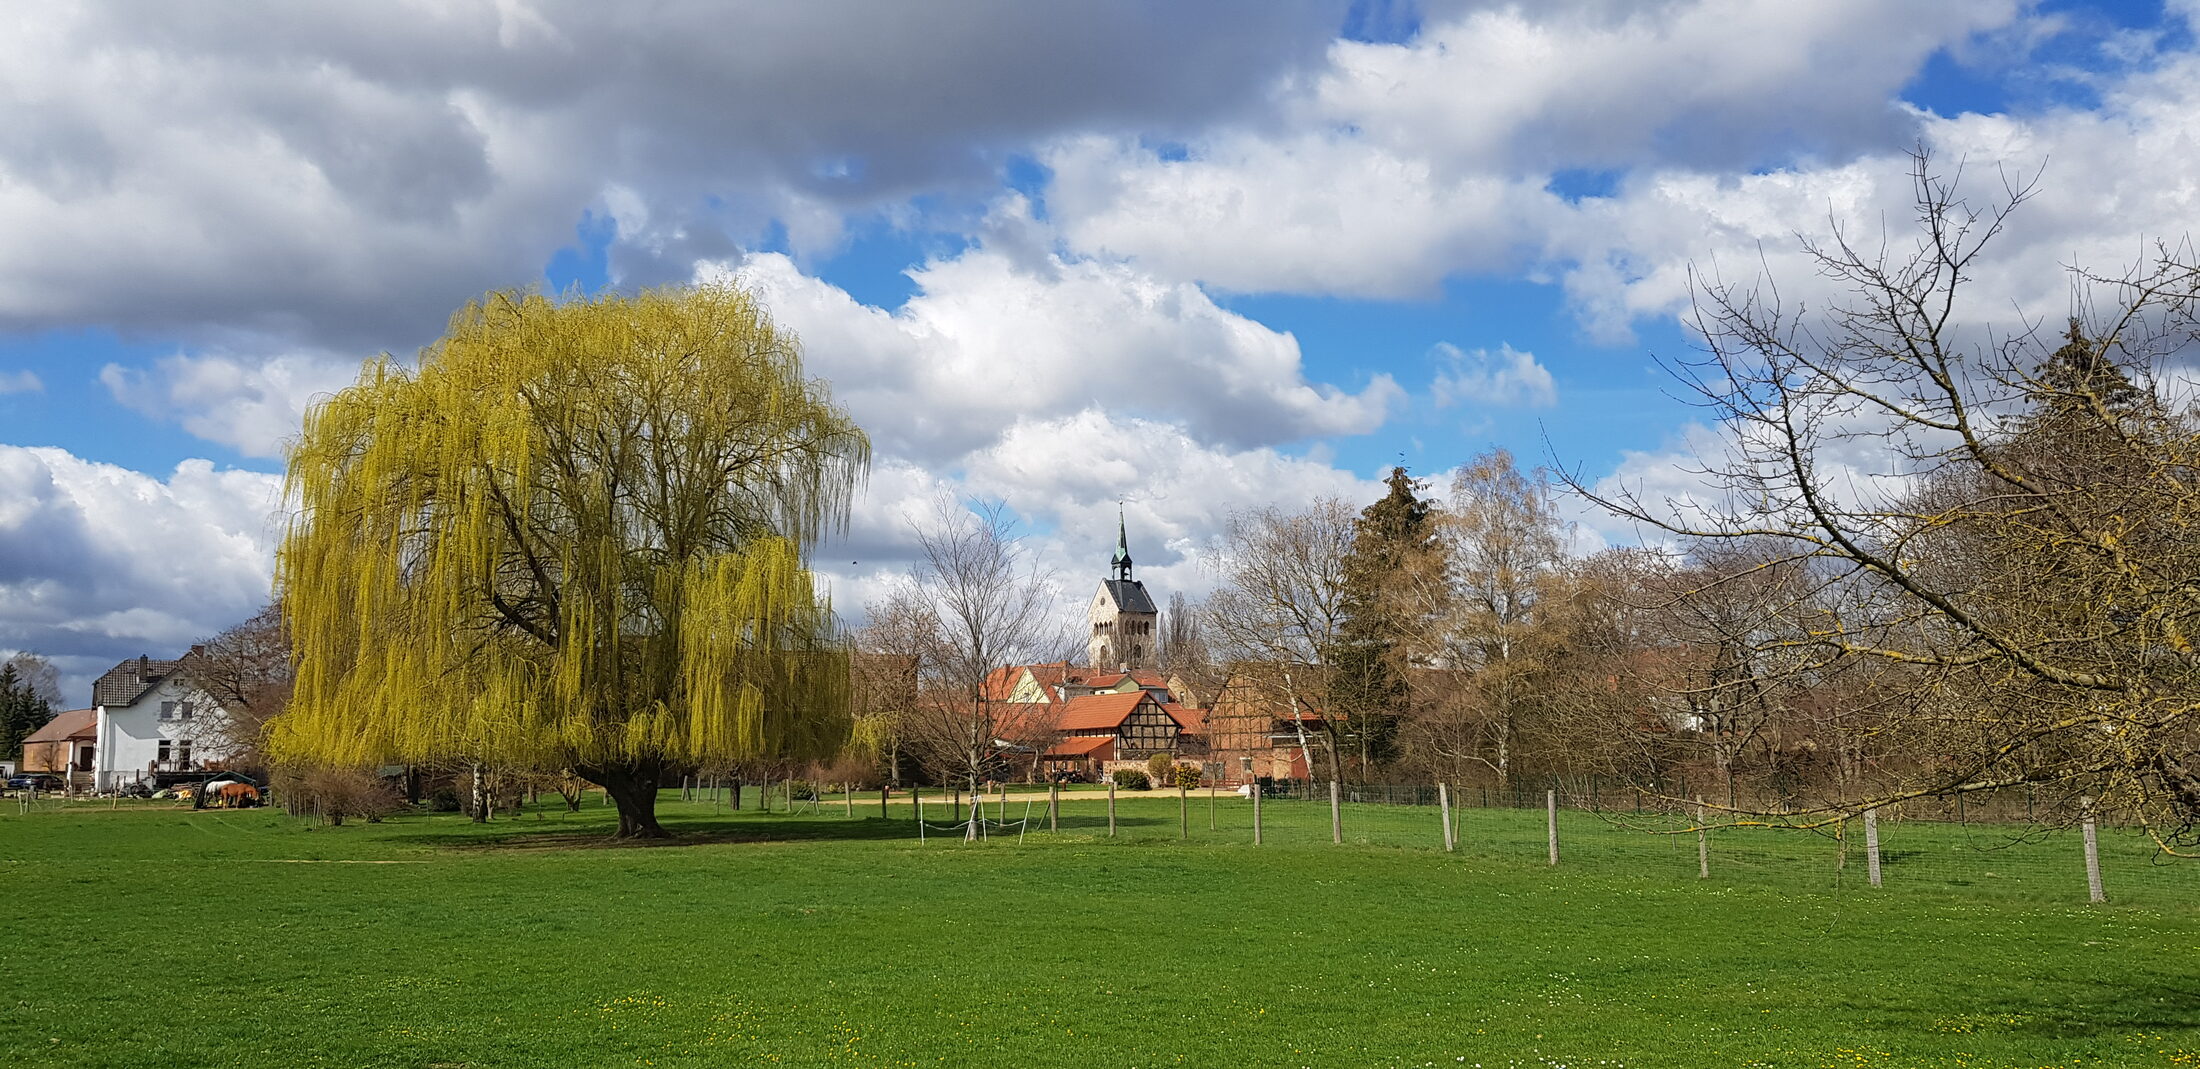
34 781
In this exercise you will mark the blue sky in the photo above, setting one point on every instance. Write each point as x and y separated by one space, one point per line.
1197 260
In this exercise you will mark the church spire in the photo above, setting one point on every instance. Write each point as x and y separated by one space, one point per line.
1122 562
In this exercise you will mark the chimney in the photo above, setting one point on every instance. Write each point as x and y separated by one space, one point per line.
198 650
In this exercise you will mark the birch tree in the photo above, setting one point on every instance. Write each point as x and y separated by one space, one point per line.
1505 540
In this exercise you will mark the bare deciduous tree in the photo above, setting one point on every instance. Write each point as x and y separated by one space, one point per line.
1281 603
2022 584
39 675
246 668
888 665
982 603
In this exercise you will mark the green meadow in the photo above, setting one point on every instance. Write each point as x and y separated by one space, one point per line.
147 936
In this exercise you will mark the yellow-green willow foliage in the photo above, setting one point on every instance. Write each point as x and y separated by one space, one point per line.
575 537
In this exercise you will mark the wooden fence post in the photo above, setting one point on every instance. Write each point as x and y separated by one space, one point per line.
1111 807
1336 815
1550 808
1871 845
883 791
1257 792
1443 802
2093 890
1183 811
849 795
1004 803
1212 787
1054 807
1703 844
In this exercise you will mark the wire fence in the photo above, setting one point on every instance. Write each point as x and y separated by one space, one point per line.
1990 852
2011 847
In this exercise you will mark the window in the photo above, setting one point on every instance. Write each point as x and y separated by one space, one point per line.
183 753
167 710
165 751
183 710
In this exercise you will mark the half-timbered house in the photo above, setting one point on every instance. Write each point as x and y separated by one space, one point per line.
1097 731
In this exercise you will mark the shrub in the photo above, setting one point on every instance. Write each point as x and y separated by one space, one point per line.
1187 776
443 799
1161 766
1131 779
334 794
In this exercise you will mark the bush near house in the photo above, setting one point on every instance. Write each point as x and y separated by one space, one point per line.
1131 779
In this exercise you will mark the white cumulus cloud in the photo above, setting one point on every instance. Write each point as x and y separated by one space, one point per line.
254 406
99 563
1505 378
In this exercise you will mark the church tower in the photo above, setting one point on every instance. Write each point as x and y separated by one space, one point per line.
1123 617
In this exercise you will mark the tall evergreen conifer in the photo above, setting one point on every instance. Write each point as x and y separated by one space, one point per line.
1394 538
22 711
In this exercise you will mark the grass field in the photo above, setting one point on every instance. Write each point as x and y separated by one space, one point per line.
151 936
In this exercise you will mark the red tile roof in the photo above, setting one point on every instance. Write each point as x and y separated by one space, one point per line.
1142 677
1081 746
74 724
1001 682
1020 719
1187 718
1100 711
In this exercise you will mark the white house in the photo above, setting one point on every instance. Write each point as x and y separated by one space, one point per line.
150 719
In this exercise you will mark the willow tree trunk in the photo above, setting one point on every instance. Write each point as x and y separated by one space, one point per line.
633 788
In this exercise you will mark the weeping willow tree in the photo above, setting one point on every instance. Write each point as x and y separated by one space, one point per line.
575 537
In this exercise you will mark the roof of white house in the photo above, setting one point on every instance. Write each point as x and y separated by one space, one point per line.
125 683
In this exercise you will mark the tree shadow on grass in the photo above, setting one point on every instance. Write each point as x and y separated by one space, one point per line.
684 832
582 833
2070 1008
